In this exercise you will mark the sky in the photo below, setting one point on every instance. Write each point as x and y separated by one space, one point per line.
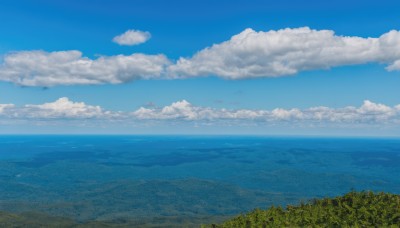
200 67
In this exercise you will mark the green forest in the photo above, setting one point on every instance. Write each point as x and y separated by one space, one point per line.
355 209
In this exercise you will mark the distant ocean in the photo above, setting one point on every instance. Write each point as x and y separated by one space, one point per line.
197 178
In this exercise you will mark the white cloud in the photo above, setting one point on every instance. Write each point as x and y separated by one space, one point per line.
132 37
394 67
246 55
286 52
3 107
63 108
40 68
177 110
370 107
369 113
282 114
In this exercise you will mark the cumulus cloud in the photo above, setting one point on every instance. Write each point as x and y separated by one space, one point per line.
394 67
287 52
3 107
132 37
63 108
40 68
369 113
246 55
177 110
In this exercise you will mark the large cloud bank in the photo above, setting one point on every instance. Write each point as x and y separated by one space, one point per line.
246 55
287 52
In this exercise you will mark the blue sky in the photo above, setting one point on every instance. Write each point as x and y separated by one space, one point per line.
181 29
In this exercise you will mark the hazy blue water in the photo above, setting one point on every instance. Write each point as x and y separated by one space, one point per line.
108 177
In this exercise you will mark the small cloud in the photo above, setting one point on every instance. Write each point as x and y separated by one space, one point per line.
63 108
132 37
3 107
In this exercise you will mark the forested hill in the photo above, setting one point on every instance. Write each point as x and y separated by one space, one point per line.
355 209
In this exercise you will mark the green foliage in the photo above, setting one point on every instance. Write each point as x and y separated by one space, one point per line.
41 220
355 209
